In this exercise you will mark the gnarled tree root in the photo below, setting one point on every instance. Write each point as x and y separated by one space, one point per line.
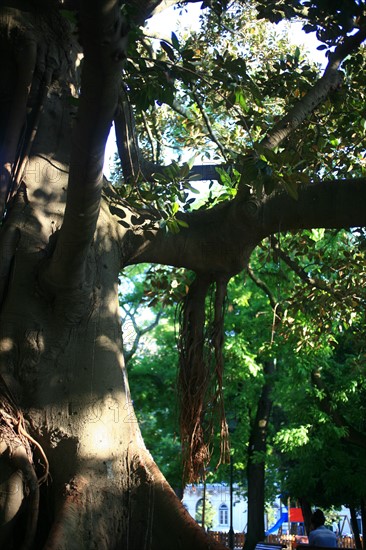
19 488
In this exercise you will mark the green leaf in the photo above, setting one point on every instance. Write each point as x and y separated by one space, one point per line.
172 226
175 42
185 170
182 223
240 100
175 208
160 177
191 161
190 188
169 51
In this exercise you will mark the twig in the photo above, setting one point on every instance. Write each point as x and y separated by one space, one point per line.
208 125
276 306
301 273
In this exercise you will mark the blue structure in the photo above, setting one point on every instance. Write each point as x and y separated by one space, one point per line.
279 522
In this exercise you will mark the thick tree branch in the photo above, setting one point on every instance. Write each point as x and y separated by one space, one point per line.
104 42
333 204
222 238
330 81
209 243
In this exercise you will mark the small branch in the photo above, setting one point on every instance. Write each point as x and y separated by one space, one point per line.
276 306
183 111
139 332
263 286
150 137
301 273
208 125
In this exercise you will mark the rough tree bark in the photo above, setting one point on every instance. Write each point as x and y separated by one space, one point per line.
66 414
60 336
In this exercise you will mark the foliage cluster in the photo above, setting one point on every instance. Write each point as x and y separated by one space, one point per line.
321 335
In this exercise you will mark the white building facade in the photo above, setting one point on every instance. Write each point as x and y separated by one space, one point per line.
218 495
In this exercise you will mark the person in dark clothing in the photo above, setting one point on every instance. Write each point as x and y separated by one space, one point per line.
319 534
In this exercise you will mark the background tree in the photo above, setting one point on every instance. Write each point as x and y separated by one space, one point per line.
209 514
323 376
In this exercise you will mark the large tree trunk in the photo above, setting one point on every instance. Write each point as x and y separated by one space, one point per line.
63 379
68 377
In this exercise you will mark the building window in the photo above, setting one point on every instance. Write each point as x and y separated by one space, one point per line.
223 514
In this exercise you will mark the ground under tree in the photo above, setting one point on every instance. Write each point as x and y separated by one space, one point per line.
74 470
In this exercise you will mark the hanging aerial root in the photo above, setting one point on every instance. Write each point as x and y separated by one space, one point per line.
218 343
200 375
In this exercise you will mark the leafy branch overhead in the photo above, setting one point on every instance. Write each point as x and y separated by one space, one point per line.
270 112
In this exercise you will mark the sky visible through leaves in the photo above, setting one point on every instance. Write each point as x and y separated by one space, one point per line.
185 19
